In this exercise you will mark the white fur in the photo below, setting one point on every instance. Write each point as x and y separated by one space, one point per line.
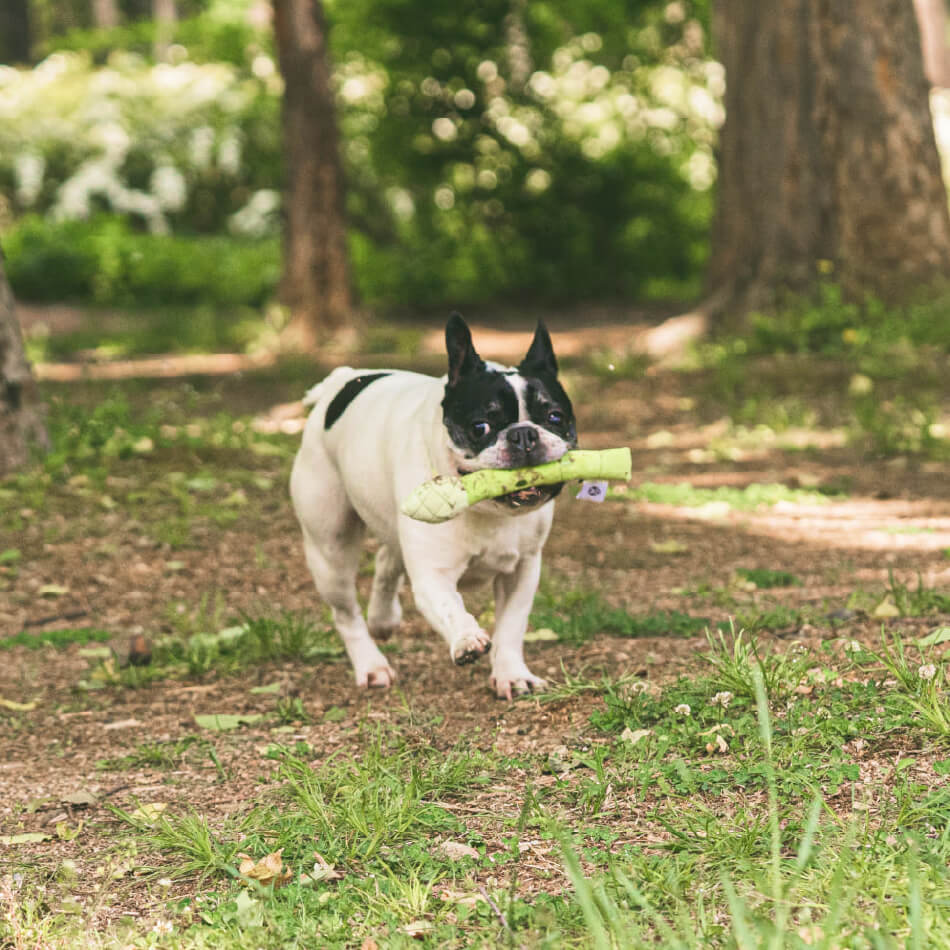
352 478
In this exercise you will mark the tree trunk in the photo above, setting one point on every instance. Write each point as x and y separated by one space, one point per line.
105 14
316 280
932 17
15 35
21 413
165 15
828 161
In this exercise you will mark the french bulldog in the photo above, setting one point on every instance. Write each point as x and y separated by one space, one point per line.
371 438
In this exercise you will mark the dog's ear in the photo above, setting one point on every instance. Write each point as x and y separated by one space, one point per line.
540 357
463 360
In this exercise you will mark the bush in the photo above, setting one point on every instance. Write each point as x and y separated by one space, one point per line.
105 261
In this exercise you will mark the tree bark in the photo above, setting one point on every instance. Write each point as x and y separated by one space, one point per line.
932 18
21 412
15 33
828 161
105 14
316 279
165 15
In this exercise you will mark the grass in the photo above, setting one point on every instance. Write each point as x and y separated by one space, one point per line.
769 839
58 639
577 615
652 833
749 498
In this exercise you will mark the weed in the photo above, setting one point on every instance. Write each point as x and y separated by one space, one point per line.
737 665
916 603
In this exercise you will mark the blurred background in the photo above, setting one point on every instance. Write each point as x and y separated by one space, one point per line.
685 180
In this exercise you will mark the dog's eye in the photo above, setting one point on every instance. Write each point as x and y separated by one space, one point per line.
480 429
555 417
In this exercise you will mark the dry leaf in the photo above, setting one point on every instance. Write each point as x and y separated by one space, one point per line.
718 745
456 850
18 707
269 870
369 944
322 871
633 736
417 928
886 608
148 812
81 799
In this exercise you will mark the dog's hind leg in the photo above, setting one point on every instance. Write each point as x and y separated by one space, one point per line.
333 536
385 612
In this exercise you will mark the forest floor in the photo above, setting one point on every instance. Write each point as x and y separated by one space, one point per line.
655 794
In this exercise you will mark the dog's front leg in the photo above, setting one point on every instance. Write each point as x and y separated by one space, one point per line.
438 600
514 595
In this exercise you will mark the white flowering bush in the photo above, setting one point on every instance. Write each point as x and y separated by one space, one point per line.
174 146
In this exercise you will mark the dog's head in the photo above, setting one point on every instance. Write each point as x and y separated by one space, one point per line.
504 417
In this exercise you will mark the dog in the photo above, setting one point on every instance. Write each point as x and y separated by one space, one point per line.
375 435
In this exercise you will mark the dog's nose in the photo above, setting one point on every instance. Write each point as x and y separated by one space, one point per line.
523 437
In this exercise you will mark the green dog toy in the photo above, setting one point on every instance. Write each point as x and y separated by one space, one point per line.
447 496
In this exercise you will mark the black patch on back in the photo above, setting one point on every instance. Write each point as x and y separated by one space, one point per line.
347 394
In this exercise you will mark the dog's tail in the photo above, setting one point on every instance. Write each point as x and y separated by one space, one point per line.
327 388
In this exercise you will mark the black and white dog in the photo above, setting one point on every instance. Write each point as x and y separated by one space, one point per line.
372 437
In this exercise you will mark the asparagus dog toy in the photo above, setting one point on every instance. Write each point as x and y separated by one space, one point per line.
447 496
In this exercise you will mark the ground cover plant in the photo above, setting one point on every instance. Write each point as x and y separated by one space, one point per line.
744 740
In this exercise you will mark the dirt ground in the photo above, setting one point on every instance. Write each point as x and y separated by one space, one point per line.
895 518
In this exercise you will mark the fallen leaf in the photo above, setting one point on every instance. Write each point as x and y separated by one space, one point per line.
248 911
81 799
886 608
222 722
718 745
465 898
334 714
95 653
270 870
545 633
417 928
18 707
456 850
633 736
935 637
29 837
265 690
322 871
52 590
148 812
672 546
122 724
369 944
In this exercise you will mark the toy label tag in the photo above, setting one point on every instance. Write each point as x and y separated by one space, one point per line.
593 491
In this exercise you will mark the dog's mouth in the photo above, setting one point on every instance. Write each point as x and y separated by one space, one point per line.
530 497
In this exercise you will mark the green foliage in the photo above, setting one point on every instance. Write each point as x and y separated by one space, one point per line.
584 172
103 260
54 638
576 616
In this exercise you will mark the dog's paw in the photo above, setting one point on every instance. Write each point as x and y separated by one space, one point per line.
469 647
379 676
509 684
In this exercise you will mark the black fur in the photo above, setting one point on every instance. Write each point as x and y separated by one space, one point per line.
347 394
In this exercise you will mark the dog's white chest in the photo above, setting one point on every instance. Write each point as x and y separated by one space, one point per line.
485 564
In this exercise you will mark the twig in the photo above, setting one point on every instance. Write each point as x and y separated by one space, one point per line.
69 615
118 788
494 907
